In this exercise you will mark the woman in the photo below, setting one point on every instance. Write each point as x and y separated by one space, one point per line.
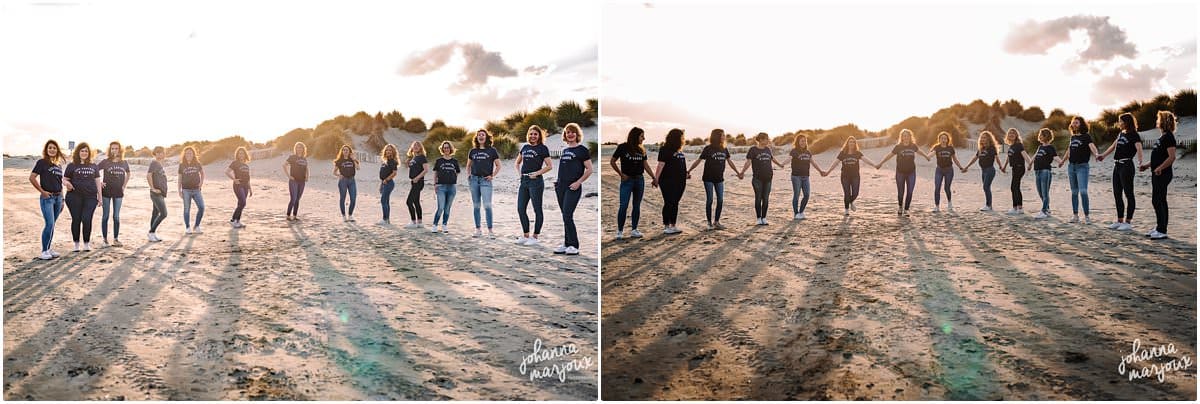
418 165
191 180
1127 145
447 169
1041 167
389 165
715 157
82 182
671 178
296 170
532 162
632 156
345 166
1016 159
849 158
1079 153
239 172
760 157
1162 156
945 154
483 162
801 162
906 152
156 179
47 179
115 176
987 150
574 167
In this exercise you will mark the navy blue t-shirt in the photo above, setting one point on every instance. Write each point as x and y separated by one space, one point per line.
1015 157
1044 157
987 156
346 167
115 174
189 175
674 166
49 175
906 158
1080 152
715 158
632 160
388 167
1158 155
415 165
570 164
760 162
849 163
447 170
83 178
944 155
1127 145
158 176
483 161
298 167
241 172
533 158
801 160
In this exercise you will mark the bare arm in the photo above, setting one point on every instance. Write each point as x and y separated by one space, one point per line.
33 180
657 172
587 172
885 160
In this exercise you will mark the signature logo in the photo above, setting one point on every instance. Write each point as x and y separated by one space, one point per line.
553 362
1140 362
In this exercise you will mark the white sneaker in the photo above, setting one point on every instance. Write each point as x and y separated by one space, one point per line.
104 243
1087 220
478 233
937 209
385 223
1013 211
800 216
344 219
350 218
521 240
491 235
949 206
632 233
572 251
53 253
796 217
710 226
1158 236
1041 215
899 211
718 226
1114 225
1125 227
1152 231
847 213
562 249
852 207
196 230
1074 219
77 249
764 222
445 228
45 256
434 229
530 242
985 209
87 246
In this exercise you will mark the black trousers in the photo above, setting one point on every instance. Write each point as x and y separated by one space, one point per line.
1159 199
1123 186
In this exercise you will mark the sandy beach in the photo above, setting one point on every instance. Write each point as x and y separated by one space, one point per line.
963 305
317 310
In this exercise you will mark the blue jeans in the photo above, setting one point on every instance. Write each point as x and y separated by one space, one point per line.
116 216
940 175
190 195
159 213
347 185
989 174
295 191
799 184
1077 175
445 198
568 200
1043 188
51 208
385 198
634 187
481 191
240 192
709 189
905 182
531 190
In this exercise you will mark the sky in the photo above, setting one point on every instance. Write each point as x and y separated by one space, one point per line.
159 73
781 66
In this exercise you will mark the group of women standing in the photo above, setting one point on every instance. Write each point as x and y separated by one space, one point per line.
672 172
88 185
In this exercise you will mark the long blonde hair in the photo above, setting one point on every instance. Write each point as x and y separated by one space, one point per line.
420 149
987 135
342 153
241 150
1012 136
383 154
846 145
905 133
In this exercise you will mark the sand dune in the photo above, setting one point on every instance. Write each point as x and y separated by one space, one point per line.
964 305
317 310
